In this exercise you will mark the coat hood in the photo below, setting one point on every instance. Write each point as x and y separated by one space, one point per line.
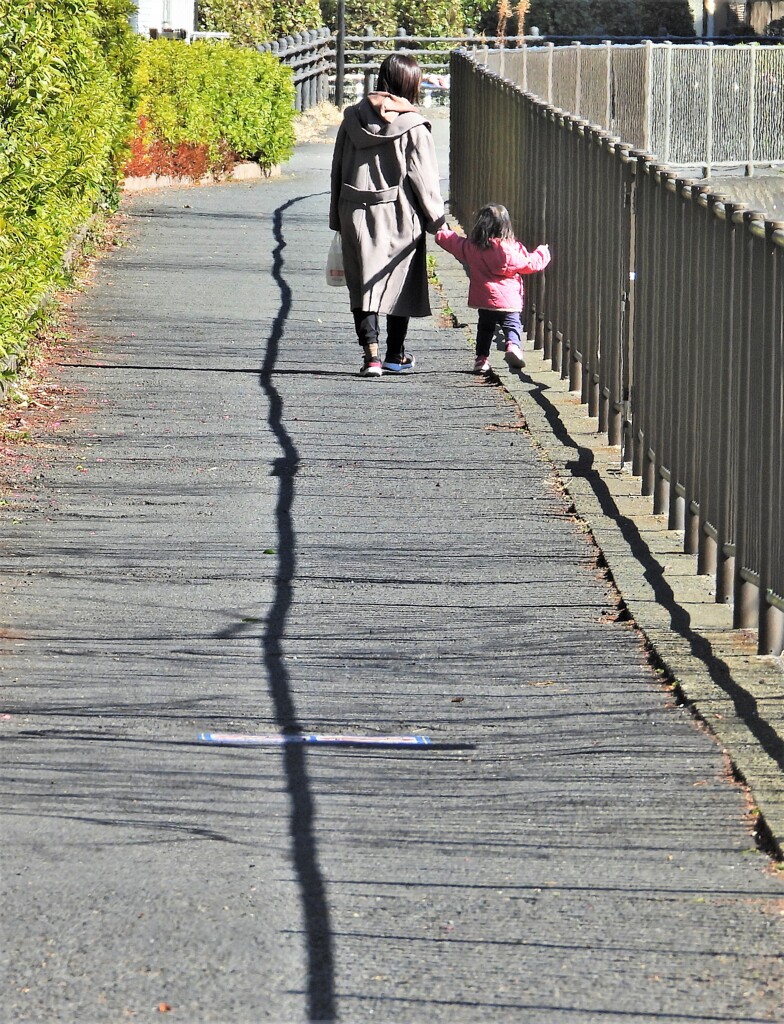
381 117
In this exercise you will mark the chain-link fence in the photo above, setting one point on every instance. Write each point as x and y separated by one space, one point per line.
709 105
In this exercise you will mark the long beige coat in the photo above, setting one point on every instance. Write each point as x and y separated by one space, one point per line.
385 195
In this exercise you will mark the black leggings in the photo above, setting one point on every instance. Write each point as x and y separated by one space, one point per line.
368 327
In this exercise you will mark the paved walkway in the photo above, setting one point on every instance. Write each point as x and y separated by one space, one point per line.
240 535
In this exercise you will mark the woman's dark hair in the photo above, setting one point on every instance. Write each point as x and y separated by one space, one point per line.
492 221
400 75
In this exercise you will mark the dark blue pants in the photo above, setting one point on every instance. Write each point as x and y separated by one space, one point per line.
489 321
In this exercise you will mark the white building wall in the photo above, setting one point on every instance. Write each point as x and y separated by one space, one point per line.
163 14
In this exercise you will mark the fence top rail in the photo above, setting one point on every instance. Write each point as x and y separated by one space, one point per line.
548 46
466 38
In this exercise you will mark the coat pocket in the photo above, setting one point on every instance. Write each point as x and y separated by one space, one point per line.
368 196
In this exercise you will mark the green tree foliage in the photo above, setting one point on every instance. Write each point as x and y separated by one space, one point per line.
63 119
430 17
249 21
258 21
666 17
417 17
119 44
380 15
616 17
561 17
606 18
288 18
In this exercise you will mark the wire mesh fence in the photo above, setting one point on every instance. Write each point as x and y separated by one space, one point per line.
709 106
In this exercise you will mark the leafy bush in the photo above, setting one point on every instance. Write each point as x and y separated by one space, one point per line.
288 18
417 17
62 120
119 44
561 17
258 21
606 18
204 105
667 17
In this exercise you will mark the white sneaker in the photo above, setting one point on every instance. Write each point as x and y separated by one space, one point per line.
514 357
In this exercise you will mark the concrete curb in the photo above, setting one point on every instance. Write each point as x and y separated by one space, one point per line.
245 171
736 693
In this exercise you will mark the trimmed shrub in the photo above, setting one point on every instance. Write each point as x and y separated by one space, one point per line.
203 106
62 119
419 17
258 21
249 21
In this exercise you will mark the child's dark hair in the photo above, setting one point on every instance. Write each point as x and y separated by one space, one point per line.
492 221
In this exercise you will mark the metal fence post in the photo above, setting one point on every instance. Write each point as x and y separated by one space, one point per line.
525 65
578 85
709 125
667 103
608 117
551 57
648 119
753 50
367 46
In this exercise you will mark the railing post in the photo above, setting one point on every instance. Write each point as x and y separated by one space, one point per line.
753 50
323 94
551 57
608 71
578 85
368 75
771 619
648 72
709 123
667 103
525 65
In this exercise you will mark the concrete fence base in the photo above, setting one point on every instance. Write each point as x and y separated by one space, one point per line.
244 171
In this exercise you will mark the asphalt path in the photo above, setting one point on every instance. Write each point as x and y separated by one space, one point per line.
240 535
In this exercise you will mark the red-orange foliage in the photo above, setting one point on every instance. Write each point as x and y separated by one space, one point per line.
150 155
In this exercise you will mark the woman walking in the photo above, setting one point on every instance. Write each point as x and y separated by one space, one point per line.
385 196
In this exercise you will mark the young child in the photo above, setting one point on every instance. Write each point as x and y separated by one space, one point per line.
495 262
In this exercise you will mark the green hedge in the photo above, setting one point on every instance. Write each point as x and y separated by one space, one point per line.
62 119
233 103
73 82
258 21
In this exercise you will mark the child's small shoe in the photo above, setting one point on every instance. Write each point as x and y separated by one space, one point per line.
482 364
514 357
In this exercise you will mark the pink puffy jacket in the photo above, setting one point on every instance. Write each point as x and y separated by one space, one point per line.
494 273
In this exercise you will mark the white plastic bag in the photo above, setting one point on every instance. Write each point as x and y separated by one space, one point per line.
335 274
